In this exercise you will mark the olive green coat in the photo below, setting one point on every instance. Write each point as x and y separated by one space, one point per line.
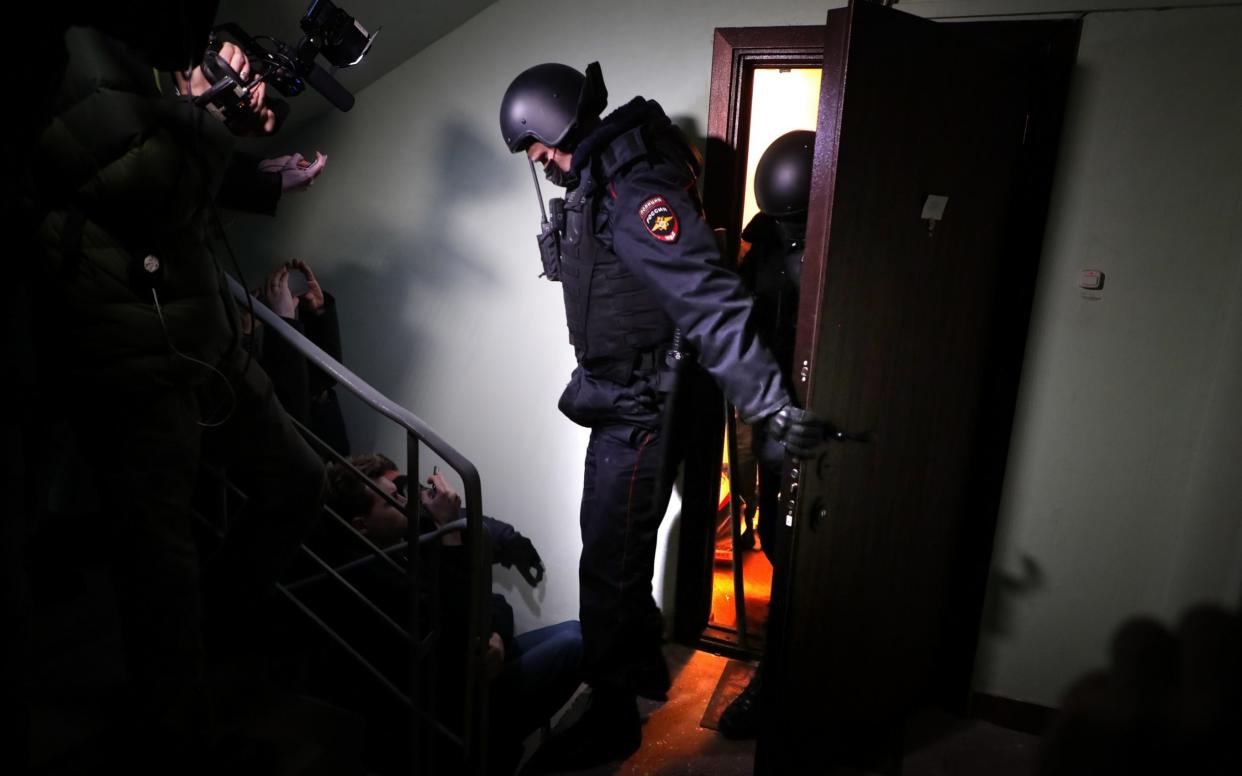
137 167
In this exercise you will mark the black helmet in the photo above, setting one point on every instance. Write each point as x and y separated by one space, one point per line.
548 102
783 176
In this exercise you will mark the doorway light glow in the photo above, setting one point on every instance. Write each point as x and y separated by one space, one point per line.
781 101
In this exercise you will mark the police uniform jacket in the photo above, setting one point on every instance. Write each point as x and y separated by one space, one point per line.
637 261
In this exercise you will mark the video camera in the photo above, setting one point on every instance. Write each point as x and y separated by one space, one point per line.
327 30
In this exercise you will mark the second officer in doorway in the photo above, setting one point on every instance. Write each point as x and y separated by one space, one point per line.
771 267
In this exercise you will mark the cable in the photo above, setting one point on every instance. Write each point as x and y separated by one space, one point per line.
232 394
196 119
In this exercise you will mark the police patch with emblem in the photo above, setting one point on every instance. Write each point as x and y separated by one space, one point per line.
659 218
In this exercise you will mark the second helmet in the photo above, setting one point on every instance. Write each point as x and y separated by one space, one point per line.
783 175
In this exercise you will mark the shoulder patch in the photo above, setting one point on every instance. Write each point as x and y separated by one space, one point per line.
659 219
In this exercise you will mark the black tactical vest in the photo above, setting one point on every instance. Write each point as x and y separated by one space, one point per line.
615 323
772 272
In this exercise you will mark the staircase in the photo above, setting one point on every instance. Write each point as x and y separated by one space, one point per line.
268 719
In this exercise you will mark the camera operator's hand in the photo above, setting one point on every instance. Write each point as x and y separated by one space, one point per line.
296 173
276 294
313 298
265 117
196 83
800 431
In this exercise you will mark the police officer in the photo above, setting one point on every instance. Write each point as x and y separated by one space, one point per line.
637 264
771 268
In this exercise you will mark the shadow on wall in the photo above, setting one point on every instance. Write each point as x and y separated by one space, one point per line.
469 159
420 260
690 126
375 344
512 583
1170 701
1004 590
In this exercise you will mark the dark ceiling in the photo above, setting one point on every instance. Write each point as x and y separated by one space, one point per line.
405 29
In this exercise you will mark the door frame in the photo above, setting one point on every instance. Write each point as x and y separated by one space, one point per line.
1044 52
737 52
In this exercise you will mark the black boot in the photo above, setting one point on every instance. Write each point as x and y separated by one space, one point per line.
608 731
649 677
744 715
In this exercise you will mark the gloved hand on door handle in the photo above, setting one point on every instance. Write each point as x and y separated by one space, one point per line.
801 432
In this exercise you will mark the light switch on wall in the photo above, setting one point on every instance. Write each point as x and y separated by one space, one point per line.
1091 280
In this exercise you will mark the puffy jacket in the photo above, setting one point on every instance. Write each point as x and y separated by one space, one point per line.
127 169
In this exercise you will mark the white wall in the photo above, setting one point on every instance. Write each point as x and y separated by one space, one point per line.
1123 496
423 225
1121 488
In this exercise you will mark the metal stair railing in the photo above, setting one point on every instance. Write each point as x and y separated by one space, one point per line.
474 733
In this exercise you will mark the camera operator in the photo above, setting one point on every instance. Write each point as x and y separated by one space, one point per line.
161 33
140 339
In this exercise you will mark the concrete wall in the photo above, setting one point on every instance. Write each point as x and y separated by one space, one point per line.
423 226
1120 495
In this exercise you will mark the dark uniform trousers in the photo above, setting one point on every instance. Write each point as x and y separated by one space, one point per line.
624 497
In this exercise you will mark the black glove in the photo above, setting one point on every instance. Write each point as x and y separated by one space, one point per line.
518 551
800 431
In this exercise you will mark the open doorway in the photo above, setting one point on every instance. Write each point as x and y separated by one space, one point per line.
738 53
781 99
895 560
